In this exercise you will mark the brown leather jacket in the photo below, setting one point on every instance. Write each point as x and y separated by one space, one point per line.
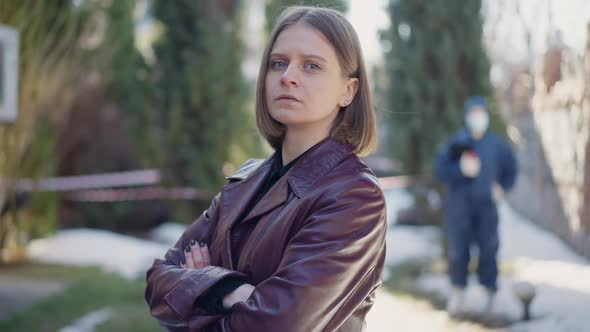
315 256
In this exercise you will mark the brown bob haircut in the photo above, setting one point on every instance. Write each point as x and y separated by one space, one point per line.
355 123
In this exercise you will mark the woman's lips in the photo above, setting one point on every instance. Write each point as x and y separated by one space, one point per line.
287 98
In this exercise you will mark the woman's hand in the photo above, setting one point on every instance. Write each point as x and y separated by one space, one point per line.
241 294
196 255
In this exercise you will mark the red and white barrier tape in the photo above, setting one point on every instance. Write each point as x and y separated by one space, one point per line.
82 182
99 188
137 194
394 182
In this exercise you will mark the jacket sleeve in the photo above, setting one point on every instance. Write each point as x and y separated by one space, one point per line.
508 167
447 170
328 269
171 290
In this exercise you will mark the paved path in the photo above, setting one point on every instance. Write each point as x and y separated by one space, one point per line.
399 313
17 294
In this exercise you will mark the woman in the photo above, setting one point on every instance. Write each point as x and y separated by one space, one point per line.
295 242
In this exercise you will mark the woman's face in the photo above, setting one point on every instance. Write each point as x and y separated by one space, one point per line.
305 86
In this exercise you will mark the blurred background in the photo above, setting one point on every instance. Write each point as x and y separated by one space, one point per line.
119 120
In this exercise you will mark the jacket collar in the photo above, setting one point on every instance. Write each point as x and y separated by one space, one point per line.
235 197
323 157
316 162
250 167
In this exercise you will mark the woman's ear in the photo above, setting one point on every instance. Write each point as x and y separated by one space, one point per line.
352 86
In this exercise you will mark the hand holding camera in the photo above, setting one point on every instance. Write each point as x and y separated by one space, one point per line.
470 164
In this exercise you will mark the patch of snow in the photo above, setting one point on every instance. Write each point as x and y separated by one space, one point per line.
551 324
128 256
505 303
396 199
555 274
406 243
561 278
403 313
552 309
90 321
520 238
167 233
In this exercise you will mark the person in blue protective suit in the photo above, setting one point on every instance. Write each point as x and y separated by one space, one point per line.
476 167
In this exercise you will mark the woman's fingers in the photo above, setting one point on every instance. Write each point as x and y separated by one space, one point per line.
183 260
189 257
195 255
205 253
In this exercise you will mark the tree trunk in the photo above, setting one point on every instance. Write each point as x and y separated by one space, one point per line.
585 213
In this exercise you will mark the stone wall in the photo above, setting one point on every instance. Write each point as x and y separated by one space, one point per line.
551 129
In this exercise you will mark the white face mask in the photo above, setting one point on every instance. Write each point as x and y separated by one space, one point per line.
477 122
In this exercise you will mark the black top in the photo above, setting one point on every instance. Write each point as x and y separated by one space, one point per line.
212 301
276 173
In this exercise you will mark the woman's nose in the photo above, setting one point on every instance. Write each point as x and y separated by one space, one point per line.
289 77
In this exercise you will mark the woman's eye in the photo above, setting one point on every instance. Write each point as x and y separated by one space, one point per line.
278 64
312 66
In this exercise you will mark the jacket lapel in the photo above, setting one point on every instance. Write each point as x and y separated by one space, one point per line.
316 164
234 201
322 158
275 197
235 197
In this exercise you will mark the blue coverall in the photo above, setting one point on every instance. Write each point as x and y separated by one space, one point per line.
470 212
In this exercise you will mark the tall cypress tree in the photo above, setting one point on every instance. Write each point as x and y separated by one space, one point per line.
275 7
435 62
50 65
128 81
201 117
